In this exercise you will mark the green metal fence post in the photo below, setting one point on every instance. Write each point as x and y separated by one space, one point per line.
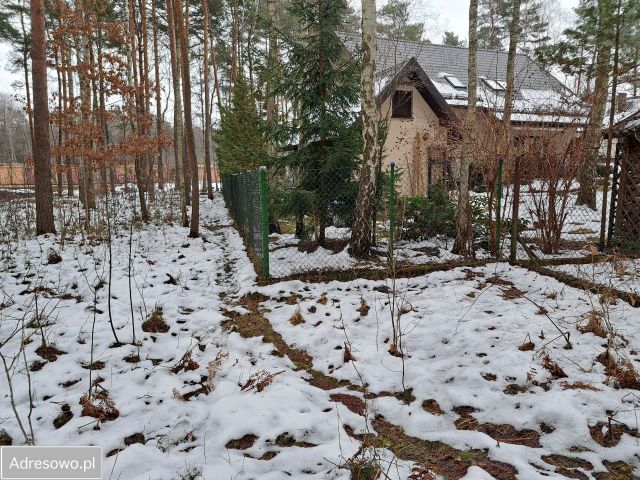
264 212
499 207
392 207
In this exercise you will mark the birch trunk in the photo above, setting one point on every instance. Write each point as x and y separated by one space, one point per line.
365 203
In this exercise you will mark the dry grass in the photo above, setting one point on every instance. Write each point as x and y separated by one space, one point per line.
186 363
553 368
297 318
595 324
102 408
155 322
260 380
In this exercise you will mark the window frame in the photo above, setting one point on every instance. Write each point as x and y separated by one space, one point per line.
398 109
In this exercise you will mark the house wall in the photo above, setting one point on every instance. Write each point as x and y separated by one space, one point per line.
411 142
417 142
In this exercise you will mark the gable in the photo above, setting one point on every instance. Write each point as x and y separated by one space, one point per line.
411 73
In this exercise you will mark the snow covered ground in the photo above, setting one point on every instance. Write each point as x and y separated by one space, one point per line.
201 393
620 273
462 333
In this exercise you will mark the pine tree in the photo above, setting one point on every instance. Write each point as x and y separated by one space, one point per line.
240 140
41 146
494 18
7 31
452 40
394 21
322 84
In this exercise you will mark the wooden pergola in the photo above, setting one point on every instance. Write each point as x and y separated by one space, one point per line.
624 218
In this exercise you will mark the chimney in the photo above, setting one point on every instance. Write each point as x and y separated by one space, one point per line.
621 102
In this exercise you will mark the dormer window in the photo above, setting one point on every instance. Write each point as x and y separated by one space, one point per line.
454 81
495 85
402 104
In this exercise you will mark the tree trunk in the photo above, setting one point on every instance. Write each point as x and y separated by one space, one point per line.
216 79
592 134
174 48
463 244
514 30
187 164
365 203
272 55
138 164
612 114
207 101
150 184
88 196
59 123
41 148
25 67
235 43
194 230
159 116
68 93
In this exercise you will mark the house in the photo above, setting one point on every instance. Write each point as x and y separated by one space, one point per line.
624 218
422 93
626 108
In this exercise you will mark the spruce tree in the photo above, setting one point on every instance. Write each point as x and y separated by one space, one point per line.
240 139
322 85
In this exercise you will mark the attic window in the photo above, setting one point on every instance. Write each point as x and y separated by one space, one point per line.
496 85
401 104
454 81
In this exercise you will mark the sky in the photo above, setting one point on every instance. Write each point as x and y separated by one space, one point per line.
453 15
439 15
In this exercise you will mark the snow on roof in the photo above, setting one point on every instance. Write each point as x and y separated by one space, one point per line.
536 89
437 59
620 119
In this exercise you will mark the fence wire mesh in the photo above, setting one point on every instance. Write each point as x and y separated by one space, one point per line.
311 214
241 193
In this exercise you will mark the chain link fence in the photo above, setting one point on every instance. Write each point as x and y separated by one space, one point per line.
245 195
301 224
312 213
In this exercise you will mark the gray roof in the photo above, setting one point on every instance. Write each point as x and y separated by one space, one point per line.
630 124
438 59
